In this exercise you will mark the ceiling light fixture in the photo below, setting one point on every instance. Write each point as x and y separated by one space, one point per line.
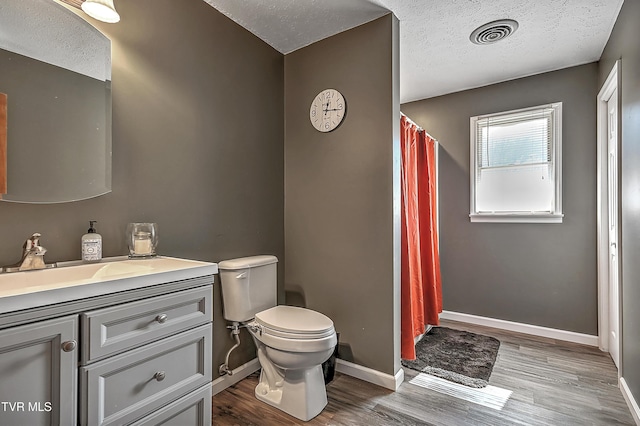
102 10
493 31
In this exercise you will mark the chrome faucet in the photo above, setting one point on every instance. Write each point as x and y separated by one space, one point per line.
32 256
32 253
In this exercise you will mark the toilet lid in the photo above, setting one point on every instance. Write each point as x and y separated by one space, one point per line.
293 322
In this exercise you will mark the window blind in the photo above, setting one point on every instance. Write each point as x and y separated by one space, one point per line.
515 164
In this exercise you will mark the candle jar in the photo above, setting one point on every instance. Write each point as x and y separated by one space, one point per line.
142 239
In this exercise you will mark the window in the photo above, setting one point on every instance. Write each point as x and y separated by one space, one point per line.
516 166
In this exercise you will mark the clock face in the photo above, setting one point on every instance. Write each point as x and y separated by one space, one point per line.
327 110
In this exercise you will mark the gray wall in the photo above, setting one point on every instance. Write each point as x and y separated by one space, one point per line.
540 274
197 147
339 204
623 44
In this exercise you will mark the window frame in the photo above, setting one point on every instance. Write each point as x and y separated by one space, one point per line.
555 216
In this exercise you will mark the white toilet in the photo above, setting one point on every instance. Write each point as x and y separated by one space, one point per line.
292 342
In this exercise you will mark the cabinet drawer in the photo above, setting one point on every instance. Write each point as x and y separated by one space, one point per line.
118 328
126 387
190 410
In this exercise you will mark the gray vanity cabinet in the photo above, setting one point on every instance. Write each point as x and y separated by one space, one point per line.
146 355
140 356
38 373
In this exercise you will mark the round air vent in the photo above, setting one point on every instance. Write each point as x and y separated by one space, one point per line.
493 31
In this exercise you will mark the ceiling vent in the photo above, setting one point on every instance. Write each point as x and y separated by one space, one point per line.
493 31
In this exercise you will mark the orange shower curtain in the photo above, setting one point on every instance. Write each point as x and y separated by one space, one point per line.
421 294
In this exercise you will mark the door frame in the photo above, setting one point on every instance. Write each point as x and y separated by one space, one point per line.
610 85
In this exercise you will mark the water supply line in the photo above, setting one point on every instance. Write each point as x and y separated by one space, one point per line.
235 334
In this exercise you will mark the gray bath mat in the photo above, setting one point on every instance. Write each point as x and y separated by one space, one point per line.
458 356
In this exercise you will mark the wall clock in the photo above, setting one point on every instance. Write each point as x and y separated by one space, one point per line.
327 110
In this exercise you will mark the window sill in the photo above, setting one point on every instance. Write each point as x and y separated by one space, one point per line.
516 218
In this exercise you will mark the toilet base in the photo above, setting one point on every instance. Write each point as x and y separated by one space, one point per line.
301 393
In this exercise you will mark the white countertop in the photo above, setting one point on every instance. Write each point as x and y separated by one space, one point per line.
31 289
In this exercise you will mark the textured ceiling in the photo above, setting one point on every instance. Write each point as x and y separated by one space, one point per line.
33 29
436 56
288 25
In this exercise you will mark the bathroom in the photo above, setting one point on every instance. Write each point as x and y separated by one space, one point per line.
199 148
211 141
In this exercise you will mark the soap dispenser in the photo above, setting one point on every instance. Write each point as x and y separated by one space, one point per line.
91 244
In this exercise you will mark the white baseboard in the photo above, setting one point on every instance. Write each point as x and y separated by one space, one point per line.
370 375
246 369
631 402
345 367
553 333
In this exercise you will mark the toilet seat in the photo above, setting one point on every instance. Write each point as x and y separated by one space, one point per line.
291 322
294 329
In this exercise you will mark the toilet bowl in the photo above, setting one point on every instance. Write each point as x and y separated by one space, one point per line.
291 342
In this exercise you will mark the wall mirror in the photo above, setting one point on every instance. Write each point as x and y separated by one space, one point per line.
56 71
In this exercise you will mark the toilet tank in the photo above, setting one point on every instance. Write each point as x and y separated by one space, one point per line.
249 285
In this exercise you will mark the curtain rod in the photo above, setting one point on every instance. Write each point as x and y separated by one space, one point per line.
420 129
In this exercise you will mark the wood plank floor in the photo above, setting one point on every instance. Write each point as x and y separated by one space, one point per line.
553 383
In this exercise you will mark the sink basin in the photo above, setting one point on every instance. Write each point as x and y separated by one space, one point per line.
71 275
73 281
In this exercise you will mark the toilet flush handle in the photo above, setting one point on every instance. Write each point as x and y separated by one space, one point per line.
241 276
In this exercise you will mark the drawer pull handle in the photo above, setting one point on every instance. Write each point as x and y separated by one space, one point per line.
162 318
69 346
159 376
